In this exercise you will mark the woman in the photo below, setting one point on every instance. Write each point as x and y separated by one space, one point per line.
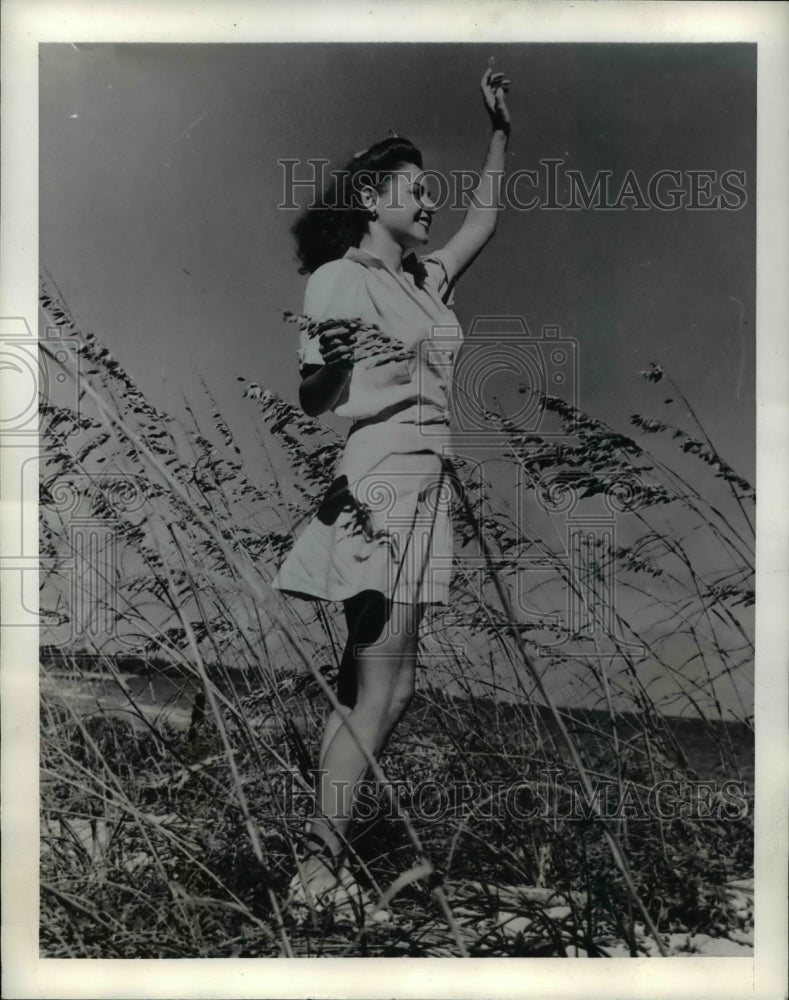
381 541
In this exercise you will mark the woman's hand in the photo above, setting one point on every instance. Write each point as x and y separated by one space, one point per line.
336 343
494 87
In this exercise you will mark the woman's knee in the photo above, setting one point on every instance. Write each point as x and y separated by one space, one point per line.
402 697
404 689
370 673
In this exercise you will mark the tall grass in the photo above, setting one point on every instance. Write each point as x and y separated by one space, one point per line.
166 841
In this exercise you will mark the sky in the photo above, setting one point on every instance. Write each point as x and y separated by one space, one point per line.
160 187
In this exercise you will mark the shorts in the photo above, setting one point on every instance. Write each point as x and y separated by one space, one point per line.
384 523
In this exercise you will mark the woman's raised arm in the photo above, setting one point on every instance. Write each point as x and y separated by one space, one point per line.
482 213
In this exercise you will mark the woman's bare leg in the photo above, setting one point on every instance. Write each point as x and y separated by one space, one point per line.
333 723
402 694
382 645
403 691
365 617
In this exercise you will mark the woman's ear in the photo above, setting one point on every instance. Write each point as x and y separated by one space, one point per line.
368 197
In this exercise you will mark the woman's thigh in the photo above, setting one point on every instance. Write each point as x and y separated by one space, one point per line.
375 621
381 649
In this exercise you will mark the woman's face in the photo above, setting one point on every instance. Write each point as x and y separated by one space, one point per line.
404 207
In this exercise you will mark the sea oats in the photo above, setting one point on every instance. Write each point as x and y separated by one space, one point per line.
368 340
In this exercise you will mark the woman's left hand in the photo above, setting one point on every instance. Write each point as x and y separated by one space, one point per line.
494 87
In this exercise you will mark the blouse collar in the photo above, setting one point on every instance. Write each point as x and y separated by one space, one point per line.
411 263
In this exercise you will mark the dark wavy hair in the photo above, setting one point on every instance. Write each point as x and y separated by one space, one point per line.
339 219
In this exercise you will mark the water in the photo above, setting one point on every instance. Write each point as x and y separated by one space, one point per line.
155 695
158 694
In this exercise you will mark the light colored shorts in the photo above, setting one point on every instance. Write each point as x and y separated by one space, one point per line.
384 524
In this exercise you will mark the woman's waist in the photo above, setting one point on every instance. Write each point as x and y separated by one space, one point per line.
413 410
371 440
421 389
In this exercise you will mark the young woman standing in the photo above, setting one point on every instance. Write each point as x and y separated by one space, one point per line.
379 349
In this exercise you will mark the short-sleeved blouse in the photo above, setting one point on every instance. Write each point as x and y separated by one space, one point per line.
413 306
392 475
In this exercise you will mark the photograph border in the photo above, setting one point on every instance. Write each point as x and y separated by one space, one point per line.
26 23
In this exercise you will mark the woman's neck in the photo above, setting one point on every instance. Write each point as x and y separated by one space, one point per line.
382 245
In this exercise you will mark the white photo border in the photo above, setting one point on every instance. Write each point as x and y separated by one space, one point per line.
26 23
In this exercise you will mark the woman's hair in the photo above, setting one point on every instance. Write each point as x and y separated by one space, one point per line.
339 219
